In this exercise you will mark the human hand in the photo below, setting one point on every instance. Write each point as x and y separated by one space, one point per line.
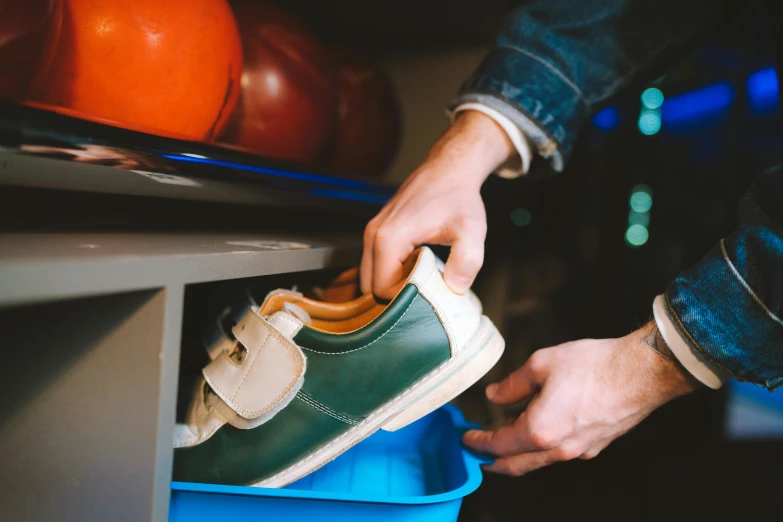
588 393
439 203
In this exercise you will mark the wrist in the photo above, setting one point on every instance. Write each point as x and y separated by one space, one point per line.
473 147
674 379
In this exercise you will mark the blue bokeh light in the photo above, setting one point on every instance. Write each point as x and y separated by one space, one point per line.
695 105
608 119
763 91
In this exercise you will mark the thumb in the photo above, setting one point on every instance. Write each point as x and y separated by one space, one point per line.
465 258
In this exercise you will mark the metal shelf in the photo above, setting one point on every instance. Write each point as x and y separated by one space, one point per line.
43 267
92 332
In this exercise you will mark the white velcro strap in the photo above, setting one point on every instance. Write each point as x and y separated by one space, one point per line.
266 380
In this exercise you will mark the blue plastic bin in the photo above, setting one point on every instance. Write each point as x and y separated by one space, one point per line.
419 473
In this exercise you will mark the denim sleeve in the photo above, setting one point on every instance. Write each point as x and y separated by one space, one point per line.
728 307
556 61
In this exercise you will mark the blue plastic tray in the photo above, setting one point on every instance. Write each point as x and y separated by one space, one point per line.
419 473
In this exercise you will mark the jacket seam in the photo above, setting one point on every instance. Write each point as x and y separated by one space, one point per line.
745 284
516 105
560 74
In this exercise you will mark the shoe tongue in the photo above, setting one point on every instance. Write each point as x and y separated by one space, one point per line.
298 312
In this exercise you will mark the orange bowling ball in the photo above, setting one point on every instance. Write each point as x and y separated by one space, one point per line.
29 31
288 105
167 67
369 122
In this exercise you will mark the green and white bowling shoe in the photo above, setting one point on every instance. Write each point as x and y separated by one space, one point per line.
307 379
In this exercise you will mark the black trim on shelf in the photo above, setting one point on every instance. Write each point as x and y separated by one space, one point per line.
43 149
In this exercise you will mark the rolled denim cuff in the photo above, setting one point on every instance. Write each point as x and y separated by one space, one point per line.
723 320
705 372
531 92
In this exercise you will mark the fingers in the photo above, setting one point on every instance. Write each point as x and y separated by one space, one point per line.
502 442
519 465
522 450
508 440
387 245
466 256
597 448
518 385
366 267
392 246
414 219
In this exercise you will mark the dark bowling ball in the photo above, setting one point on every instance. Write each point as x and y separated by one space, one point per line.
288 105
29 31
369 120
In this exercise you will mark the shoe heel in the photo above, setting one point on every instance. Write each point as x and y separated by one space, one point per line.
452 385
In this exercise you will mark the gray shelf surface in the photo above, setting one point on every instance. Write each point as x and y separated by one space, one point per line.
88 387
38 267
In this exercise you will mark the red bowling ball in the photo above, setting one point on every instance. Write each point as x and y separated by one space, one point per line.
168 67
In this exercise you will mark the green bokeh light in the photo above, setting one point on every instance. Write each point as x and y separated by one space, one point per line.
636 235
639 218
649 122
521 217
641 201
652 98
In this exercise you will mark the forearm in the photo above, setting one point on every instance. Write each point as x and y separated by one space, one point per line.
557 60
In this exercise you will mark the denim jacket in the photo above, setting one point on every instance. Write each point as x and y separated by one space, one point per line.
554 63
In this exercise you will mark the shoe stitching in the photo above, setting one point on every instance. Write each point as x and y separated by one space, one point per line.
285 316
287 343
432 300
437 371
323 408
253 362
298 355
366 345
326 409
